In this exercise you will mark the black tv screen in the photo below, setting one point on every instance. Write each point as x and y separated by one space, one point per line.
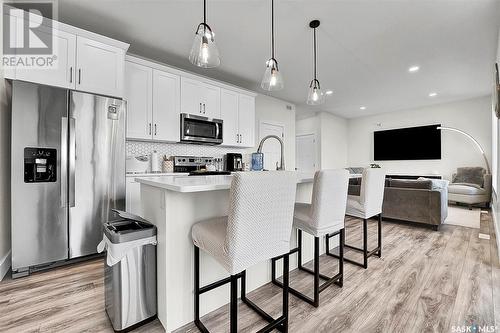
413 143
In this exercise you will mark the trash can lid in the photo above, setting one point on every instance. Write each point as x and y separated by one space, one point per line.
131 227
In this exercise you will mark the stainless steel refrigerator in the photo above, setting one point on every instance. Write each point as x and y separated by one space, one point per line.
68 171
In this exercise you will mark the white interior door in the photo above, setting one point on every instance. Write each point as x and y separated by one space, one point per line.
271 148
305 153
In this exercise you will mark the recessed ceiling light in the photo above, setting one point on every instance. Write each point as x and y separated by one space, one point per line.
329 92
413 69
362 107
433 94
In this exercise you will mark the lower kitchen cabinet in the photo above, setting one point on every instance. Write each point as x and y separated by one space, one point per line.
133 196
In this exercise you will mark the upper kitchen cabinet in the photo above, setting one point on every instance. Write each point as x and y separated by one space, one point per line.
62 73
238 114
153 103
79 59
166 106
246 120
139 97
100 67
199 98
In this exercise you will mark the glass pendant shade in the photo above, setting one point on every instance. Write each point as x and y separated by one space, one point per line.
315 95
204 52
272 79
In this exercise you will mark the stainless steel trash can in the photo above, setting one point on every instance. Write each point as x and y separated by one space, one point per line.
130 284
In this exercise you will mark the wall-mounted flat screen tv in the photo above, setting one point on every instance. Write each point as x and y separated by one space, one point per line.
412 143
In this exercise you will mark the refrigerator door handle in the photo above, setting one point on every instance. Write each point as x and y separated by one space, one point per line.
72 162
64 161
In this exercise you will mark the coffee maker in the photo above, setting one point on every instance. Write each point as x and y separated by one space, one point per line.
234 162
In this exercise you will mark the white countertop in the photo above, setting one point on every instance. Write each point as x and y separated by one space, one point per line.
187 184
155 174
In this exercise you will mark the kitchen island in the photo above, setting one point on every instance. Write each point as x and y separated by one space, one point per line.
174 204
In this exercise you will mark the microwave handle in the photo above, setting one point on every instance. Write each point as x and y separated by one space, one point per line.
217 130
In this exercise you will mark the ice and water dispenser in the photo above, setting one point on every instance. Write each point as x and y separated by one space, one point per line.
40 165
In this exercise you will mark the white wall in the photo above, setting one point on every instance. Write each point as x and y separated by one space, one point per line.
472 116
331 138
273 110
4 171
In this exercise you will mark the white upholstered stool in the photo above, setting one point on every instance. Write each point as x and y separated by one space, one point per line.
365 206
257 228
324 216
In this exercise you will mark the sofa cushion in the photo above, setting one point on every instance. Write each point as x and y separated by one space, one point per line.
437 184
465 189
473 175
416 184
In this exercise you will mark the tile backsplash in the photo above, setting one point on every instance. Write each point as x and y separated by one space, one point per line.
135 148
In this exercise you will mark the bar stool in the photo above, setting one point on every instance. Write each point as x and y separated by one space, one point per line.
257 228
365 206
323 217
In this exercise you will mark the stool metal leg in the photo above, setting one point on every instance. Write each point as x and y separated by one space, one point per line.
365 243
379 236
197 292
317 288
233 306
366 253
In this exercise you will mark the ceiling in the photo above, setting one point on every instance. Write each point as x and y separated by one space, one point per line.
365 47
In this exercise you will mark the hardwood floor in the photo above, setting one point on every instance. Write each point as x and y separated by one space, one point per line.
425 281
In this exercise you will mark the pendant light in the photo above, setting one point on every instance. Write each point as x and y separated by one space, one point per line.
272 79
204 51
315 96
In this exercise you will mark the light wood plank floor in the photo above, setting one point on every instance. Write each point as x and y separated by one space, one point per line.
425 281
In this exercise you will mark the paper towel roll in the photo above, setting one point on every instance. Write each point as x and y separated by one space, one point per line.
155 163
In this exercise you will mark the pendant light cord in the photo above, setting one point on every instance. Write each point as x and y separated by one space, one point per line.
205 11
314 38
272 29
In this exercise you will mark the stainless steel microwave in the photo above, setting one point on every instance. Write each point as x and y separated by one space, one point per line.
196 129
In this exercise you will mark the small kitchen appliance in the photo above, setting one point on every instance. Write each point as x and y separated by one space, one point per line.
234 162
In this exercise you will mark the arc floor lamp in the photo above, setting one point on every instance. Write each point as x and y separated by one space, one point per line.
452 129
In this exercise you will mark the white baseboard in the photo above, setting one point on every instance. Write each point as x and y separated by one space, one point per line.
5 263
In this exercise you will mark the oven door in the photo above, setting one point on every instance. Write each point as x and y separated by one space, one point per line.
200 129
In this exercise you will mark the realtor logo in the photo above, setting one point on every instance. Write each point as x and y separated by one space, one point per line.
27 28
28 35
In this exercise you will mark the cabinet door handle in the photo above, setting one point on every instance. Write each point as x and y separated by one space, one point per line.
155 130
237 138
204 108
71 74
149 128
200 108
79 76
241 138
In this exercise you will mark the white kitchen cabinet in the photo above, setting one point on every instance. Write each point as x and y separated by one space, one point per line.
62 71
199 98
246 120
100 67
166 106
211 100
238 114
80 59
139 96
133 196
229 114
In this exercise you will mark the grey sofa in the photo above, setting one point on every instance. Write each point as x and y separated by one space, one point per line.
418 201
470 186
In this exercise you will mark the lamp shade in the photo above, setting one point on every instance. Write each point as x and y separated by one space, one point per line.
315 95
272 80
204 52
